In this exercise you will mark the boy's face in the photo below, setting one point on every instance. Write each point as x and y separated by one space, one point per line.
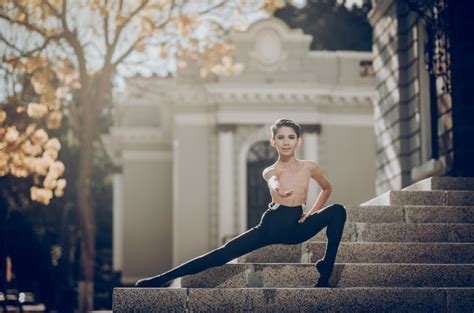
285 141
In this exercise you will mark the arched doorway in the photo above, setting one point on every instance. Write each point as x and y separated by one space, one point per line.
260 156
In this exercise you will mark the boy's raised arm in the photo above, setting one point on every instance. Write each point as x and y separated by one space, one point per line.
272 180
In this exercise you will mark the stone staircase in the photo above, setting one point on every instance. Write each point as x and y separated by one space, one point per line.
404 251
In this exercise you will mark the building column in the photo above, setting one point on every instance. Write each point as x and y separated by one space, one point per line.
175 229
310 137
226 182
117 217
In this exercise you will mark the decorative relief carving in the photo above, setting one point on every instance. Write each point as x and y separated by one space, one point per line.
268 54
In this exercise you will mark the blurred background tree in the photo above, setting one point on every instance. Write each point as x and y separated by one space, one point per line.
63 58
30 172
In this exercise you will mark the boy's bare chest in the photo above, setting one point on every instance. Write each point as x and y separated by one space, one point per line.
294 178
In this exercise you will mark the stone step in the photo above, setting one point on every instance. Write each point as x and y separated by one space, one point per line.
439 197
366 252
410 214
304 275
293 300
404 232
278 254
442 183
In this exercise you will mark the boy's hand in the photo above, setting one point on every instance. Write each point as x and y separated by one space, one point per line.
303 218
283 193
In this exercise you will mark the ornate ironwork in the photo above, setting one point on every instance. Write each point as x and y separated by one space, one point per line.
437 47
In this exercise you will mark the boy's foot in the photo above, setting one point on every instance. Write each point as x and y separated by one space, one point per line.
322 283
325 273
152 283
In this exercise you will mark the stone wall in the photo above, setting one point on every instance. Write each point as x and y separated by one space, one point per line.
396 110
405 151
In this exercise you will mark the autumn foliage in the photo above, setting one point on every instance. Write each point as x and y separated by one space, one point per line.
26 150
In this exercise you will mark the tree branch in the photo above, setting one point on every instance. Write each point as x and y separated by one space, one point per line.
27 25
29 53
71 38
106 29
120 6
140 38
9 44
127 53
181 6
51 7
118 32
212 8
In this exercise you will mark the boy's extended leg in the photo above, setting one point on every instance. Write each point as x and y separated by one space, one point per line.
334 217
248 241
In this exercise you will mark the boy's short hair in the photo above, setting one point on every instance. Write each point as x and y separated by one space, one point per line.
284 122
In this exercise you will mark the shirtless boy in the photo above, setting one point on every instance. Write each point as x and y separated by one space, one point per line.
284 222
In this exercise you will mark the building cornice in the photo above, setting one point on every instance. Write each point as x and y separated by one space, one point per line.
236 94
261 118
284 94
350 55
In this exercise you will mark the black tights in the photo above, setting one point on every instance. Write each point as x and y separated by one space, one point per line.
278 225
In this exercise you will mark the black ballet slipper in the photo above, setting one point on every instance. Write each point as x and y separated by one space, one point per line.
323 284
152 283
325 271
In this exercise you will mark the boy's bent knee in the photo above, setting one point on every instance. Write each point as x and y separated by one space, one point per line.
340 211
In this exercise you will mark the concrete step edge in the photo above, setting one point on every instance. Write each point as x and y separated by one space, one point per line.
344 274
405 206
345 264
370 252
270 299
434 197
291 288
388 243
443 183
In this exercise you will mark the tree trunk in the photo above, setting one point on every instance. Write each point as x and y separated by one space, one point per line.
91 100
86 211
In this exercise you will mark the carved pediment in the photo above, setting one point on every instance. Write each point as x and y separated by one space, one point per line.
271 42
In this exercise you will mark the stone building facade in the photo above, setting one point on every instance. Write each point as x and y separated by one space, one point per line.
192 150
